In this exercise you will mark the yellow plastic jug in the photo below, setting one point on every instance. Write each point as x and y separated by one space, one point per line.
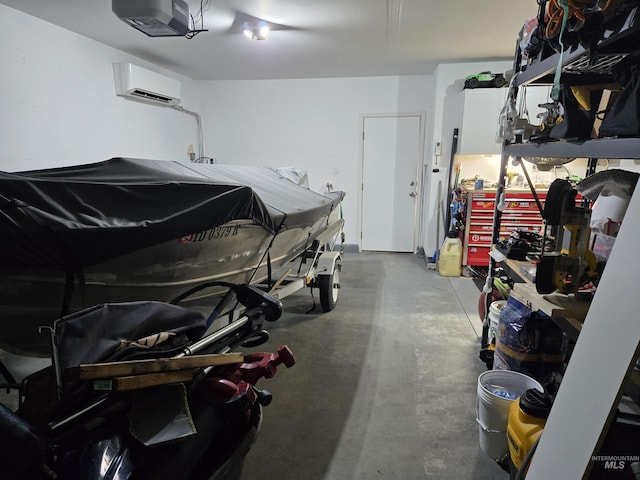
450 261
526 422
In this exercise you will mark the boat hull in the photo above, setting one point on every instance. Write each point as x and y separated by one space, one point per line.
235 252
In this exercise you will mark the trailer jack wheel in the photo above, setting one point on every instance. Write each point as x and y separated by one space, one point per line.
329 286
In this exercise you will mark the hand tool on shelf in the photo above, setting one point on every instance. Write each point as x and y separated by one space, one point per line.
571 265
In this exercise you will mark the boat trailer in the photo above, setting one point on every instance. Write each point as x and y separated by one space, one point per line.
318 267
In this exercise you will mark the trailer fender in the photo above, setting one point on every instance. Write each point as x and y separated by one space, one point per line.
327 263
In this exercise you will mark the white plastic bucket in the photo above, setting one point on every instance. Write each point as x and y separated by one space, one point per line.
492 410
494 318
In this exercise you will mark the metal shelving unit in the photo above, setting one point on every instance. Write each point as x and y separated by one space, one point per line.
582 66
627 148
586 403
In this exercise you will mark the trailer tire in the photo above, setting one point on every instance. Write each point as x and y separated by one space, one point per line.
329 286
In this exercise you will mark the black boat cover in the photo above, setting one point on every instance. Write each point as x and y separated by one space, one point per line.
72 217
112 332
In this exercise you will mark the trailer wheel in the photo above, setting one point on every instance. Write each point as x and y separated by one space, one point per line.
329 286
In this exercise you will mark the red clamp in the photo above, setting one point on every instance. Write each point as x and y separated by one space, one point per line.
265 364
238 381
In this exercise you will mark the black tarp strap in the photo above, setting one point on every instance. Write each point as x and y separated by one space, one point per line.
69 287
266 254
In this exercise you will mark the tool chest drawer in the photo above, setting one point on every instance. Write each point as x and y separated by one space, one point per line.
521 213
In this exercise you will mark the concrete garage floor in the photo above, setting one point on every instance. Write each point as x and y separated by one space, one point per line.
385 384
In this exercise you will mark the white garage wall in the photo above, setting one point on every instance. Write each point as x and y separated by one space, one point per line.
314 124
58 104
447 115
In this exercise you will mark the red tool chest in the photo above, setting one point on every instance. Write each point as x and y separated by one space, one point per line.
521 213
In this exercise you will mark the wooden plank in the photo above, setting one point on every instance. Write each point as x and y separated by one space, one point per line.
515 267
135 382
137 367
555 304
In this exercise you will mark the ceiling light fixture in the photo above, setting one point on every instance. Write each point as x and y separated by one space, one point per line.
256 31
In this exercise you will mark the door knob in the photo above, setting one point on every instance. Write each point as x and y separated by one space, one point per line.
412 194
412 184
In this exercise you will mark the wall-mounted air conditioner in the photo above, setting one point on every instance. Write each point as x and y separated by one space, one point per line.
137 83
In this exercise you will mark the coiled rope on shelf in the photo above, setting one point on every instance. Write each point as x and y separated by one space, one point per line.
576 9
559 12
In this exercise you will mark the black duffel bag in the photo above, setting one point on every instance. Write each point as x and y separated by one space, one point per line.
623 118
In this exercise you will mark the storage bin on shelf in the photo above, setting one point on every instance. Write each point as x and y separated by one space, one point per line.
528 341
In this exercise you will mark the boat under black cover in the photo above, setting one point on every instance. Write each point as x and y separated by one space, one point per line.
131 229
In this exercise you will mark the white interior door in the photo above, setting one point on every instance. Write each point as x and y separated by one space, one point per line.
390 187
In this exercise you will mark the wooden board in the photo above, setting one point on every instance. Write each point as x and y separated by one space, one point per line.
137 367
515 267
136 382
555 305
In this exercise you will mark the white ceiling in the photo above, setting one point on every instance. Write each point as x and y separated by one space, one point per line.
324 38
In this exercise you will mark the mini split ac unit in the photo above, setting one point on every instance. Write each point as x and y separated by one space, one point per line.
137 83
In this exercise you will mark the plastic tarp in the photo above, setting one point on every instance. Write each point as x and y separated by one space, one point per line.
71 217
